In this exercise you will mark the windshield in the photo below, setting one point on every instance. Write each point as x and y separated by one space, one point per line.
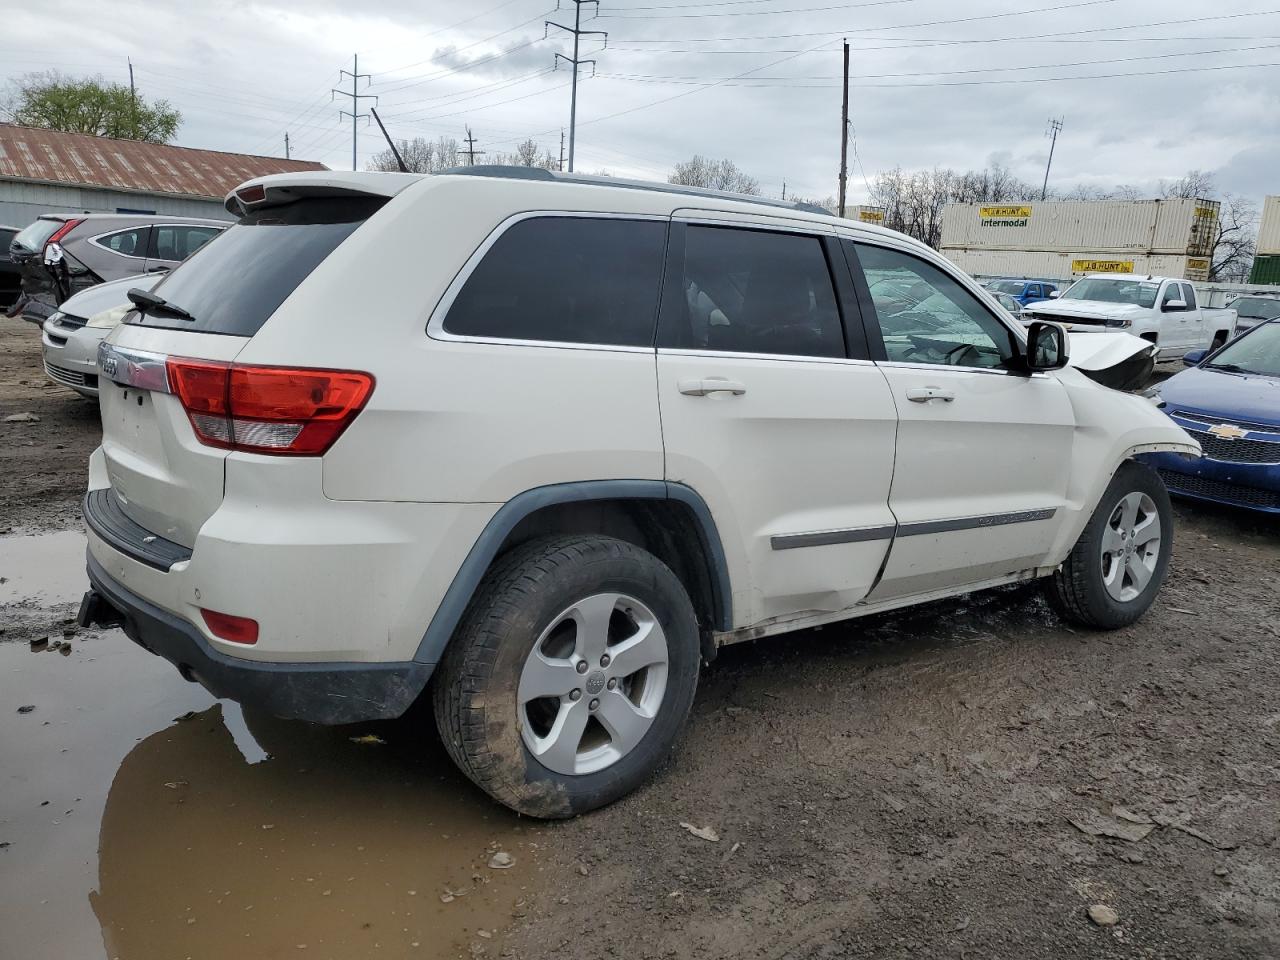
1011 287
1257 308
33 238
1140 293
1256 352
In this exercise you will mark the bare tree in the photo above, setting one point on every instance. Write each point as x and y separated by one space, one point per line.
1195 185
528 154
1234 240
420 156
714 174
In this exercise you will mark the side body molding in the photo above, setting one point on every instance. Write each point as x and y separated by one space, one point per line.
486 547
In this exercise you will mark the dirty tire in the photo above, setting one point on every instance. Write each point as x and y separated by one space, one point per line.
1077 590
476 684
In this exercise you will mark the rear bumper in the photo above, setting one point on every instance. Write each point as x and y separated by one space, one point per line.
329 693
1248 485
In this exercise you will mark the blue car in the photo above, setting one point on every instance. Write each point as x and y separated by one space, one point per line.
1024 291
1230 402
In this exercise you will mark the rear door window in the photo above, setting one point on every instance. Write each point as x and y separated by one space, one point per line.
241 276
755 291
566 280
127 243
178 241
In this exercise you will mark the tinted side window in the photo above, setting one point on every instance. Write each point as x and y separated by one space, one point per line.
1033 290
752 291
566 280
925 316
173 242
1189 294
127 243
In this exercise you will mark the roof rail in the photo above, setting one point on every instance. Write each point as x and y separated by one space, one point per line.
538 173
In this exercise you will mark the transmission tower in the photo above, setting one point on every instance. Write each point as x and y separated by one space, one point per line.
574 61
354 113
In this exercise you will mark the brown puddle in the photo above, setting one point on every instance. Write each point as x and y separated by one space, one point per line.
133 835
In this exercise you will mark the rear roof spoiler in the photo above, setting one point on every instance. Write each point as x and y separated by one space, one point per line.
282 188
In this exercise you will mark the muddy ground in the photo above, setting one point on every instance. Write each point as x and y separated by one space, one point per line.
960 781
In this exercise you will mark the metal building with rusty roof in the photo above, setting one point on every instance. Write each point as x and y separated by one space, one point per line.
46 171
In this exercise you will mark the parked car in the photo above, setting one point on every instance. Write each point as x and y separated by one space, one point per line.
1008 302
1024 291
60 255
1158 309
1230 403
1252 309
10 275
72 333
344 454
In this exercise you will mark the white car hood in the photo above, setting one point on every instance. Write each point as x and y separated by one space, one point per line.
1098 351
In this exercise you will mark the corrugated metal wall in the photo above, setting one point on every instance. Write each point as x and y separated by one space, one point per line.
1269 232
21 203
1081 226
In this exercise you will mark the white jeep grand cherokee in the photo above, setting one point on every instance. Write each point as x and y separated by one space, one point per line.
535 445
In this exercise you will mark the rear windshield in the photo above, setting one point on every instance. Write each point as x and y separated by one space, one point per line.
233 283
33 238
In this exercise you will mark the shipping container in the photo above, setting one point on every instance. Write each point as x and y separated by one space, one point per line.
1269 232
1069 266
1266 269
865 214
1147 227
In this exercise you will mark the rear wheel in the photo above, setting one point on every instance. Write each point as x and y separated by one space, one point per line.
571 675
1115 570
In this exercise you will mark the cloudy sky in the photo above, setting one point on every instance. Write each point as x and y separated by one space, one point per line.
1147 88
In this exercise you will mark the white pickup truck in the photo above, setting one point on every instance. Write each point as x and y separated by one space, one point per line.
1159 309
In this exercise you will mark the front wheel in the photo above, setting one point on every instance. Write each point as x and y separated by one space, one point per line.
571 675
1115 570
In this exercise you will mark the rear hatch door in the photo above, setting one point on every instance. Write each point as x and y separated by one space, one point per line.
162 474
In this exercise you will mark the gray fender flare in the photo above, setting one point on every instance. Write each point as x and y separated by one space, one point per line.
491 538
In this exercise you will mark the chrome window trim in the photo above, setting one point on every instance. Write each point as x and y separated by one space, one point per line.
134 368
932 367
435 322
753 221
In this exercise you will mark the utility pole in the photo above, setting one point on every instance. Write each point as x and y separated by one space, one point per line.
844 131
562 150
133 99
286 144
578 33
471 150
1054 127
354 113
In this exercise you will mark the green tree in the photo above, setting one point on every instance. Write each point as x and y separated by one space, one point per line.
90 105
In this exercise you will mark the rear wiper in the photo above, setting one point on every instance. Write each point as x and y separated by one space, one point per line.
150 303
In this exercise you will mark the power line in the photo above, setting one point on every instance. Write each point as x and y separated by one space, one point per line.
993 16
575 61
452 26
786 80
750 13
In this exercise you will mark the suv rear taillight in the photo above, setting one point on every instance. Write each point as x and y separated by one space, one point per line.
277 410
63 230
